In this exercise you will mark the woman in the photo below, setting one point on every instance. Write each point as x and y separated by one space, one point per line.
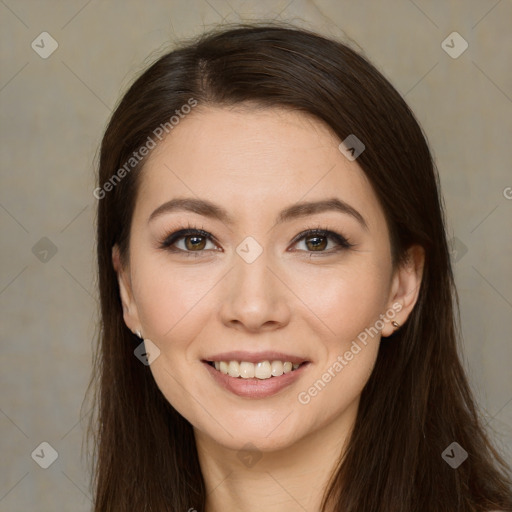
278 330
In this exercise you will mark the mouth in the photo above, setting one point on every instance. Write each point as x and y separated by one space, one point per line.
260 370
255 380
255 375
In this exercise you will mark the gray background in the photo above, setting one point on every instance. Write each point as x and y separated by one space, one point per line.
53 113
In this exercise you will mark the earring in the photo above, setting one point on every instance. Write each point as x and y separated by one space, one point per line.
138 334
395 324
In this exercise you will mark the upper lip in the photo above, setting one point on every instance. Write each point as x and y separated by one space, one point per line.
256 357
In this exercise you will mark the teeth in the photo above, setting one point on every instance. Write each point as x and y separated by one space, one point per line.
262 370
233 369
247 370
276 368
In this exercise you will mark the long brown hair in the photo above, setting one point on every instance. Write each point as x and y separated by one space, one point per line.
417 401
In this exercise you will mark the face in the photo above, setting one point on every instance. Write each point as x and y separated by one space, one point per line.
263 277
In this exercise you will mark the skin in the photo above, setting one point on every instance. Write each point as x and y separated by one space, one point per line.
254 162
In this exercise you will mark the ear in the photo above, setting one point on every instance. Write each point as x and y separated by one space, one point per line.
130 313
405 288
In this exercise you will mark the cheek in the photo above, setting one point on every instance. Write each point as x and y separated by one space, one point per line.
172 303
346 301
349 304
169 297
350 307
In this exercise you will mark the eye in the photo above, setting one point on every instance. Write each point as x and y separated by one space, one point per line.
190 240
317 240
194 241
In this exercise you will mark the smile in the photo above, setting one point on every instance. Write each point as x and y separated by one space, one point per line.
256 379
261 370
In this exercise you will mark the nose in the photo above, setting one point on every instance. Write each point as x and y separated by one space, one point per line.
254 297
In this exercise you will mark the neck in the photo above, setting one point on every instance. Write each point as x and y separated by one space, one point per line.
288 479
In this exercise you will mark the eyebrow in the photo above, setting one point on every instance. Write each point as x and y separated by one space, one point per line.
297 210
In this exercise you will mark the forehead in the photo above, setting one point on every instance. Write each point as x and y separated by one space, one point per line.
253 160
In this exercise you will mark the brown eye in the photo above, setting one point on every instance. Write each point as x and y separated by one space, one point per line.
188 241
316 243
317 240
194 242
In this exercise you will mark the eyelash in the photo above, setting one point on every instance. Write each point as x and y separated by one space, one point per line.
167 243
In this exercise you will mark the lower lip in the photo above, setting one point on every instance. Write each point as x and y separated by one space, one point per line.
255 388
